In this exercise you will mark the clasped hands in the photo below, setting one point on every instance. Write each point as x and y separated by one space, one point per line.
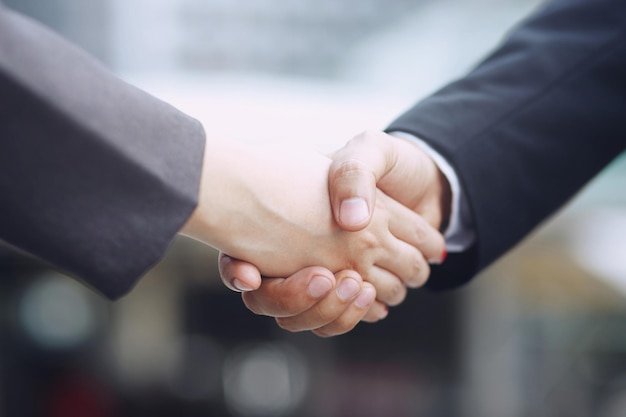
350 234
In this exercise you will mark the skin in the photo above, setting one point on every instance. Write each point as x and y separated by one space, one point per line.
271 208
369 163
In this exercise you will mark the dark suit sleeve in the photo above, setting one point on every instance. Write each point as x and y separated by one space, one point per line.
96 177
530 125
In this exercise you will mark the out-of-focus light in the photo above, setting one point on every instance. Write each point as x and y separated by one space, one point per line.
57 313
598 243
195 369
266 380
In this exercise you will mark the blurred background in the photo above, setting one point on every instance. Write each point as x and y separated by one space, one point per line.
542 333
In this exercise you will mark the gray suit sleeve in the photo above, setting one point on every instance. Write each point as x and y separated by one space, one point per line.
96 177
531 124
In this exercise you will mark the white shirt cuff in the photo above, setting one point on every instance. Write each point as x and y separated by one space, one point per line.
459 233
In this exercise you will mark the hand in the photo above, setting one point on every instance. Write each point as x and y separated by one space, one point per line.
396 166
313 299
271 208
400 168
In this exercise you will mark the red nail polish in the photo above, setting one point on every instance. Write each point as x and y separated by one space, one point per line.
442 258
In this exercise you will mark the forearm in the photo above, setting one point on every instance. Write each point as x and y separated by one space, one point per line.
533 123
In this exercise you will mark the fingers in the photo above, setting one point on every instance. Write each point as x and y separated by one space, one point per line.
378 311
339 311
415 230
354 172
351 315
409 244
238 275
390 289
406 264
282 297
304 301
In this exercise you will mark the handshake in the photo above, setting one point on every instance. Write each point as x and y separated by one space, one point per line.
350 233
97 176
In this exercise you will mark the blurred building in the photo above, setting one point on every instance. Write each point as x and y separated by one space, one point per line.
306 37
88 24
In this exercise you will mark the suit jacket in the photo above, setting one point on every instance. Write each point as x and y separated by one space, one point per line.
531 124
96 177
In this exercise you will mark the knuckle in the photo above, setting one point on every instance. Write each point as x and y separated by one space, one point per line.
281 306
421 276
396 294
420 232
415 277
344 325
368 241
348 168
365 137
322 333
324 315
336 328
287 324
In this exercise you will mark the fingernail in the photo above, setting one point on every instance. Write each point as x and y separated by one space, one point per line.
353 211
366 298
319 286
241 286
348 289
443 257
384 314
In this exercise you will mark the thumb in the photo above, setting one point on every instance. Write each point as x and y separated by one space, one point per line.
354 172
238 275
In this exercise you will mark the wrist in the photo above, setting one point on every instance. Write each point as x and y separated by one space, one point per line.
262 205
195 222
217 194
